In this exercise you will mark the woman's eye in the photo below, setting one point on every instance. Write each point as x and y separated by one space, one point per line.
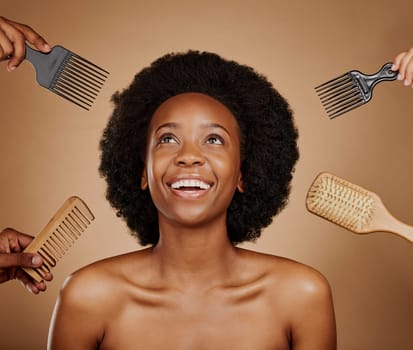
167 139
215 140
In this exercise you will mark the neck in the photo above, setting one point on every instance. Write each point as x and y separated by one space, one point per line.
195 256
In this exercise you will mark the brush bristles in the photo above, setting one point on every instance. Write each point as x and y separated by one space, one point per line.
341 202
79 80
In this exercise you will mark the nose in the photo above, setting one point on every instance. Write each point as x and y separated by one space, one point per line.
189 155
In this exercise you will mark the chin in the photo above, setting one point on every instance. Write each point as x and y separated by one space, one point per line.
192 218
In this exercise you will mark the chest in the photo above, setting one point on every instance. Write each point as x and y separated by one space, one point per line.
199 322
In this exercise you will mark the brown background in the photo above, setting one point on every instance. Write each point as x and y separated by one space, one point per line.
49 147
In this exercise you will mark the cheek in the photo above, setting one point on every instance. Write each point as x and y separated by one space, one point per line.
152 174
229 168
155 169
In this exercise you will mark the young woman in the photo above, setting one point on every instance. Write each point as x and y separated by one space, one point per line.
198 157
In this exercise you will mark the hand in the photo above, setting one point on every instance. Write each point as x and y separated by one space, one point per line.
403 62
13 36
12 243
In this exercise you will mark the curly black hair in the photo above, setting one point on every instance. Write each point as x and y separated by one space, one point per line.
268 149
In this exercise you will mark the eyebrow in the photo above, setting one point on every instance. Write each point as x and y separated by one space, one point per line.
167 125
204 126
214 125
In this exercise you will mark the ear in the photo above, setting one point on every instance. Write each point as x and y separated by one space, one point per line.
144 180
240 185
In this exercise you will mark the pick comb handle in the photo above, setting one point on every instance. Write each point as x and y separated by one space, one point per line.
370 81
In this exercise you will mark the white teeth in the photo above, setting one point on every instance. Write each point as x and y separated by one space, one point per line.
190 183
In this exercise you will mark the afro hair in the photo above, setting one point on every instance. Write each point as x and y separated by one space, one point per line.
268 149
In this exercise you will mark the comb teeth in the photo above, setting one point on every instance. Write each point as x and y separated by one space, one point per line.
340 95
79 80
66 226
341 202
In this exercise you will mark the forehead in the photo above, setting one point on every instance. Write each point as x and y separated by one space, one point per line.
192 107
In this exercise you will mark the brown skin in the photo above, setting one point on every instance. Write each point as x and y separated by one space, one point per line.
12 244
194 289
13 36
403 62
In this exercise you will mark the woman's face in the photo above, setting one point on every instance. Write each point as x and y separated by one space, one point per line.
192 165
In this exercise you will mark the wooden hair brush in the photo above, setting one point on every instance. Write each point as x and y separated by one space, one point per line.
64 228
352 207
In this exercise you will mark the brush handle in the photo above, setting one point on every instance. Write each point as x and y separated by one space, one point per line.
401 229
385 221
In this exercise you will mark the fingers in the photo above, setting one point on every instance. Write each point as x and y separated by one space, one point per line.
8 260
33 37
30 284
403 62
13 37
23 239
27 281
22 260
12 43
12 243
4 276
12 240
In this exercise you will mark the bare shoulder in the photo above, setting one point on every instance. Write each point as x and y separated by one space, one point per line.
302 297
93 284
293 283
300 278
90 299
287 270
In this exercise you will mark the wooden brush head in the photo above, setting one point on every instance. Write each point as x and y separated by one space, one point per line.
352 207
342 202
69 222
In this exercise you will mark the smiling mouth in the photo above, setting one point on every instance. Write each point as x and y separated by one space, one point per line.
190 185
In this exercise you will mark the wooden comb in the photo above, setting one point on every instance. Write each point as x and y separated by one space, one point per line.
352 207
63 229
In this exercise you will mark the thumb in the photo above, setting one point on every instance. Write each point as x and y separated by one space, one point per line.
19 260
